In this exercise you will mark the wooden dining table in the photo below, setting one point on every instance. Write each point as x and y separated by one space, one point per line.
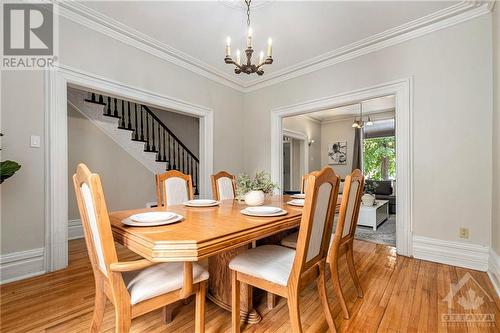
218 233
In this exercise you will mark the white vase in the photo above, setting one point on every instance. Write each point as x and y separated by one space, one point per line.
368 199
255 198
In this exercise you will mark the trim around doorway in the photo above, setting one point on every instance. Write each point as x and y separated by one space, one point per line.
56 152
403 90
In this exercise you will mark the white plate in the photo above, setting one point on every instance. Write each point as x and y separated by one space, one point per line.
175 219
152 217
263 210
299 196
201 203
296 202
249 213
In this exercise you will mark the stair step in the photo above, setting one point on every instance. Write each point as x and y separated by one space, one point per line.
126 128
94 102
150 151
111 115
138 140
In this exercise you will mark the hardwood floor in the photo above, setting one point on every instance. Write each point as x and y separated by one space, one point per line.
401 295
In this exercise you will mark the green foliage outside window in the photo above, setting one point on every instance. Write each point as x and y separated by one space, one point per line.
379 158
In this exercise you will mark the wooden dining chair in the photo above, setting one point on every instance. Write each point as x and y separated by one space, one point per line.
133 287
343 236
284 271
223 186
173 188
303 185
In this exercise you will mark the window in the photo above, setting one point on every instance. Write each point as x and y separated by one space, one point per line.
379 158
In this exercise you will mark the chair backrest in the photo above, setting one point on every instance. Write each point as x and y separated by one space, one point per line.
303 184
95 220
317 220
223 186
349 207
173 188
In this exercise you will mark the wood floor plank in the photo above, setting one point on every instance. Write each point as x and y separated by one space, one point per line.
401 295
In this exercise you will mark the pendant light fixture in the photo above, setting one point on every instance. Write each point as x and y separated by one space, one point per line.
247 66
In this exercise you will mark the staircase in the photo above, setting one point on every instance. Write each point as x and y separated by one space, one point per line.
159 148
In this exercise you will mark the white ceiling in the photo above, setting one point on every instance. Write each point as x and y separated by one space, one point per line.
301 30
376 105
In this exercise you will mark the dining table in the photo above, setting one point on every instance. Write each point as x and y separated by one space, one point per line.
218 233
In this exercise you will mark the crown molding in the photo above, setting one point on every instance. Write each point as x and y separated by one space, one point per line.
83 15
455 14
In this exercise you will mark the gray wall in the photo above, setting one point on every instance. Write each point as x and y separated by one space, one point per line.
451 70
126 182
312 129
23 114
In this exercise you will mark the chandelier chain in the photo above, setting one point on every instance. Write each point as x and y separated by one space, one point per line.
248 11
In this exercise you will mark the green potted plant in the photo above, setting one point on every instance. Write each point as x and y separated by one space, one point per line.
254 191
8 168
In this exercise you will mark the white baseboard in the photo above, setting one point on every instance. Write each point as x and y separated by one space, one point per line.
21 265
459 254
494 270
75 229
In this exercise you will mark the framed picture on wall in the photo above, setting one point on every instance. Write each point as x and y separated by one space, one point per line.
337 153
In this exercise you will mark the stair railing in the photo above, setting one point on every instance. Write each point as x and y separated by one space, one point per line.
147 127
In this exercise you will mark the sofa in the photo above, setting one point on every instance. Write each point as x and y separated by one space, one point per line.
383 190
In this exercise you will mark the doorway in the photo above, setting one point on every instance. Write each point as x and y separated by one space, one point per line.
402 90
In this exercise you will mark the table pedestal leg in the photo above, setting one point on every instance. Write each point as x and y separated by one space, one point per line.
219 285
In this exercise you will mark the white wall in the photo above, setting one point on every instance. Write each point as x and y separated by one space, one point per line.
87 50
451 71
312 129
126 182
185 127
496 131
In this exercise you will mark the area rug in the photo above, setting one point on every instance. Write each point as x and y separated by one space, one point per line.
385 233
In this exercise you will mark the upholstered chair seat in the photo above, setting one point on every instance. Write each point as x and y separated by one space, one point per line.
269 262
159 279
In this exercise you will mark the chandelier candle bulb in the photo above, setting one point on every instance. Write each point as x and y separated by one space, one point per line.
238 57
261 58
250 35
270 47
228 46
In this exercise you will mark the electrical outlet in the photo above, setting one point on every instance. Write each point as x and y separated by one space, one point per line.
464 233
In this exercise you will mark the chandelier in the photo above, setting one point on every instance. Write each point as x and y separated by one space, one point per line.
247 67
361 122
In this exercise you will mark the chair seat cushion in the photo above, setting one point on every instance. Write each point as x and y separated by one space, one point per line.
268 262
290 240
159 279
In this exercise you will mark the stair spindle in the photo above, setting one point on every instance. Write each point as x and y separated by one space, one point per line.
153 136
164 142
101 99
136 129
122 122
142 124
147 133
115 111
129 125
108 107
92 98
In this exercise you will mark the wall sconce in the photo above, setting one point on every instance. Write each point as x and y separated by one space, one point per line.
311 142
